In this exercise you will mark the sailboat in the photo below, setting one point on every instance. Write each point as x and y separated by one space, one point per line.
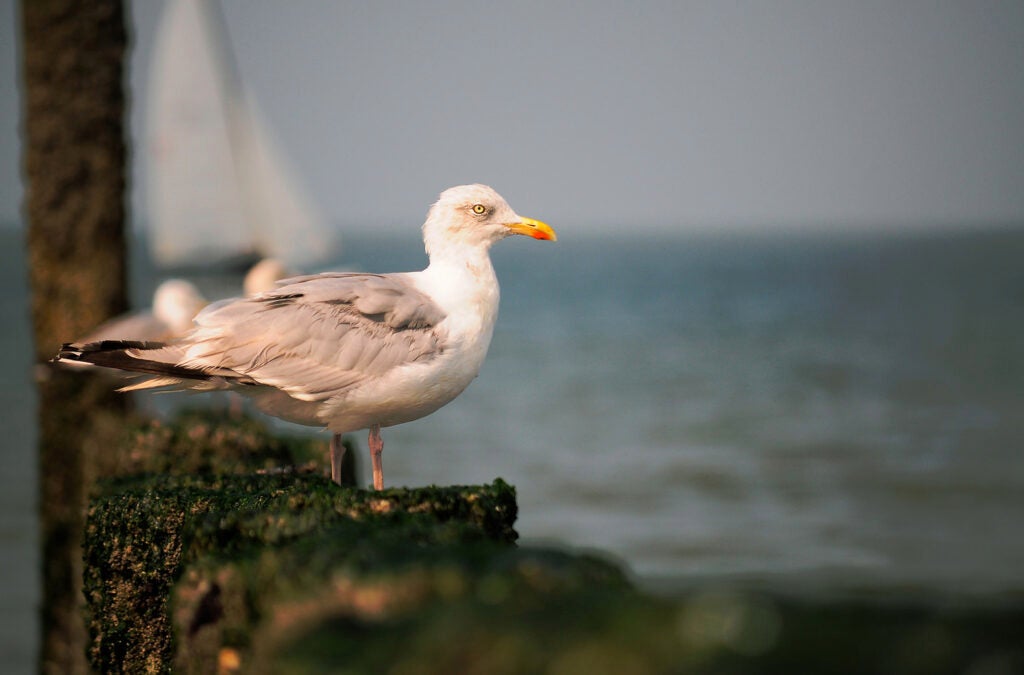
220 191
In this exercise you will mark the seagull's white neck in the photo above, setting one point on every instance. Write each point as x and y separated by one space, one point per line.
461 279
453 255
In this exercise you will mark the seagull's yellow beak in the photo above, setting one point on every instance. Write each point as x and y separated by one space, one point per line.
533 228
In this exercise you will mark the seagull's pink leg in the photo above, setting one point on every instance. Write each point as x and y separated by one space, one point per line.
337 455
376 444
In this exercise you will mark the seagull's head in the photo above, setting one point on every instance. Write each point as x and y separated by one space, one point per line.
476 215
176 302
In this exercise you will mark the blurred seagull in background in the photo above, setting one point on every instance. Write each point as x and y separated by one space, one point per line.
175 304
264 275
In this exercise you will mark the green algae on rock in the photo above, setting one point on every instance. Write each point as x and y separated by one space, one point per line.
212 441
142 532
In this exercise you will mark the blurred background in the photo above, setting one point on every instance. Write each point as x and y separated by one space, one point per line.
777 342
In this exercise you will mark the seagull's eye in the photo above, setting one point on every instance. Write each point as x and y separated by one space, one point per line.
479 209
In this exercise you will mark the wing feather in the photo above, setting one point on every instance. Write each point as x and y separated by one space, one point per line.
316 337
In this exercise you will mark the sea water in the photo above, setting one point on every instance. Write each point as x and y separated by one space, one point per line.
827 412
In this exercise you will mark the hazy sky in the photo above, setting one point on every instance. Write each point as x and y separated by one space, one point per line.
675 114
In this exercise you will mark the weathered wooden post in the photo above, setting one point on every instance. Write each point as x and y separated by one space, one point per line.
74 167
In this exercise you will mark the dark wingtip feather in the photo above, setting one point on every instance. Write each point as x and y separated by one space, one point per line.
113 345
74 351
113 354
69 351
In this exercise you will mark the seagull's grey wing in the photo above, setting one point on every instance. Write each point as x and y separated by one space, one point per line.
318 336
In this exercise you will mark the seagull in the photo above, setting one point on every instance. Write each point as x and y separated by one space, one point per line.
348 351
264 275
175 303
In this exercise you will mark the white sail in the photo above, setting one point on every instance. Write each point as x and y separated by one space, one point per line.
219 188
282 215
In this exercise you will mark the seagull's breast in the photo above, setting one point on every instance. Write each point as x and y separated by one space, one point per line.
469 299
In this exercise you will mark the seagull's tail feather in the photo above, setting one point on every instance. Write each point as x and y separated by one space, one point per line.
161 361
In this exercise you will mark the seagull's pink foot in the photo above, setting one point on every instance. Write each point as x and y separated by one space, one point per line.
337 455
376 444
